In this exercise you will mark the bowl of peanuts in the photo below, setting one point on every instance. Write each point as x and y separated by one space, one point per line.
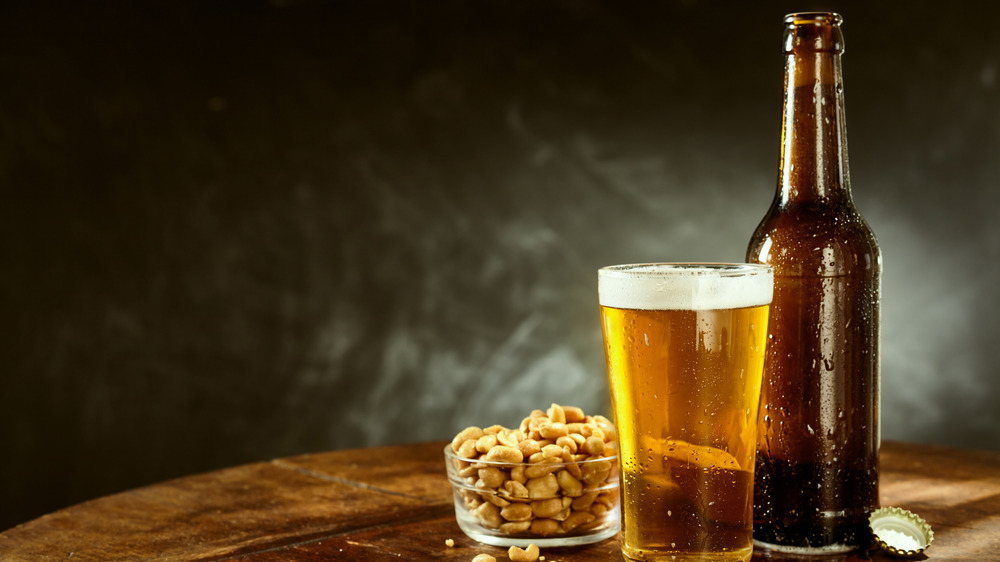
553 481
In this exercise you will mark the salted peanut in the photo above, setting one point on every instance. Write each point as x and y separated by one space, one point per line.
608 499
516 489
552 452
488 441
569 484
471 432
450 543
552 430
517 474
596 472
542 467
574 468
516 512
562 515
544 527
529 447
508 438
610 449
534 423
547 507
584 502
573 414
501 453
491 477
467 450
577 519
543 487
567 457
468 472
598 509
496 500
567 443
529 554
483 558
493 429
603 421
489 515
556 414
594 445
515 527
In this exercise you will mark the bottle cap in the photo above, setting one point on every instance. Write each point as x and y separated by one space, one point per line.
900 532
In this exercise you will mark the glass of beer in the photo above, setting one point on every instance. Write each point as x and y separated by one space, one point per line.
684 345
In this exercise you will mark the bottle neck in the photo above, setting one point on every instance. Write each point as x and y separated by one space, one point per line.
814 164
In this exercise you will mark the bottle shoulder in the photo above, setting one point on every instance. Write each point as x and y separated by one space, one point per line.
816 240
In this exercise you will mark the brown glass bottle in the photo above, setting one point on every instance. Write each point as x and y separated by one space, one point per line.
816 477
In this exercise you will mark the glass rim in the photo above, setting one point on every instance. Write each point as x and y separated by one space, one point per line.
450 454
658 269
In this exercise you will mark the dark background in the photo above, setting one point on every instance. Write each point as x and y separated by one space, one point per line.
240 230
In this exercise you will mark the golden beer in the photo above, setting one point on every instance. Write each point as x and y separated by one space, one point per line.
685 349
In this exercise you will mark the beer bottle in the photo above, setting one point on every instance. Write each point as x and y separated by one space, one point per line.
817 466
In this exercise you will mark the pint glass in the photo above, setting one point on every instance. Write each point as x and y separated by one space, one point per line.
684 345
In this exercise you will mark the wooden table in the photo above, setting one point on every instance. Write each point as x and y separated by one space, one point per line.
394 503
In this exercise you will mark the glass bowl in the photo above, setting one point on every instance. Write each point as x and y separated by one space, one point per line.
547 503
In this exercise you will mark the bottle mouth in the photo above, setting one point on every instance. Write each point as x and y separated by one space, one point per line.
813 18
813 32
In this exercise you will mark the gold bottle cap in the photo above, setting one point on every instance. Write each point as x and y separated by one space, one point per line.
900 532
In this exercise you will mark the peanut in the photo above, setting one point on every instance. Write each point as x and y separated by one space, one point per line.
569 484
544 527
557 414
489 515
504 454
464 435
515 527
487 442
529 554
573 414
467 449
552 430
576 519
516 512
491 477
543 487
594 445
546 508
567 444
515 489
484 558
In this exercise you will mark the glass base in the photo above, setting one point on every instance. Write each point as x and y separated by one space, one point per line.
781 551
637 555
478 533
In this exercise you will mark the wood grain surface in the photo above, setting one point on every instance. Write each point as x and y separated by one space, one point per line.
394 503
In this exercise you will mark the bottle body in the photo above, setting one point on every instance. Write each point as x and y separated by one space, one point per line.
816 473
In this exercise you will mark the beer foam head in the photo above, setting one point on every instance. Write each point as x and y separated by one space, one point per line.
696 286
